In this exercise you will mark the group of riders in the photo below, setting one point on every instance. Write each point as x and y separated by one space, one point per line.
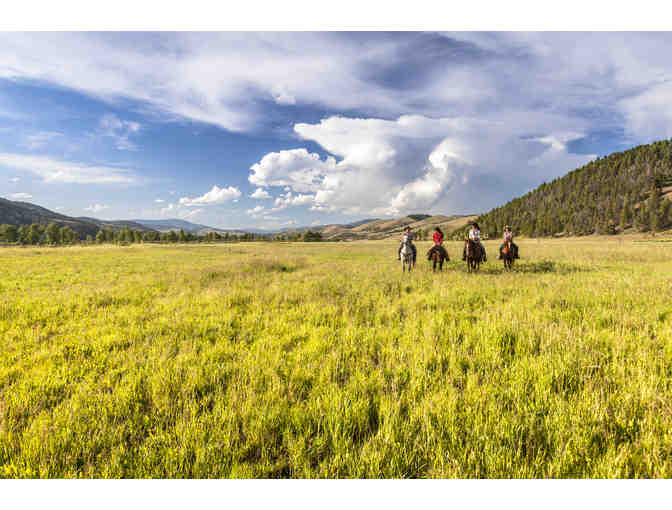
474 235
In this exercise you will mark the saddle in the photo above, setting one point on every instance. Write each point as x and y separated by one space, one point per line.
437 248
472 246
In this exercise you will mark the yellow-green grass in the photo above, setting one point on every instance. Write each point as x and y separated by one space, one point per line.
323 360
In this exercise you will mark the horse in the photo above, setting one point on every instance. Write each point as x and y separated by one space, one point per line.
437 254
406 256
508 255
474 255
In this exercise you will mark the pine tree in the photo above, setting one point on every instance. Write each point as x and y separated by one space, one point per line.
625 214
654 210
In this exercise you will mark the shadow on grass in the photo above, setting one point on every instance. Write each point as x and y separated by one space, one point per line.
536 267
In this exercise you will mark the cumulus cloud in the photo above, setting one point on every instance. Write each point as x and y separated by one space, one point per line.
215 196
159 201
260 193
95 208
413 163
297 169
256 211
21 195
14 179
54 170
290 200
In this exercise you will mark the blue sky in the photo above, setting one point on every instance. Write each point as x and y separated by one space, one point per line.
268 130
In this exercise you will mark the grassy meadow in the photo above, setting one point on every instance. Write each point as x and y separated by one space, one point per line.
323 360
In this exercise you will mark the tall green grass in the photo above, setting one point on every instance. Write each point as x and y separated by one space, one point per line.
323 360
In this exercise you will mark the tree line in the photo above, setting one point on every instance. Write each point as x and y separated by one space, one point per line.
607 196
56 235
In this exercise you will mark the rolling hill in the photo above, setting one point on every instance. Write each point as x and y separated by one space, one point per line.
623 192
386 228
25 213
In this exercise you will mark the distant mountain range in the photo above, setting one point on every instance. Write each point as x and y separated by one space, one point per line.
24 213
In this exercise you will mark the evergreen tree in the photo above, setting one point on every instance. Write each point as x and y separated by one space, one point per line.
654 210
625 214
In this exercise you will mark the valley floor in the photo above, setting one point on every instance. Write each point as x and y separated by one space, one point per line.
323 360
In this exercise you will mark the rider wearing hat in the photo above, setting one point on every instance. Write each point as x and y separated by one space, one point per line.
408 236
474 235
508 236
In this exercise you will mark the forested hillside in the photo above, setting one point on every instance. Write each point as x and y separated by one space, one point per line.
622 191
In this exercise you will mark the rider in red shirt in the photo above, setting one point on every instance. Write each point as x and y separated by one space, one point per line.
438 236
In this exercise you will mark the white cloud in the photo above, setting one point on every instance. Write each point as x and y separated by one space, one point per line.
260 193
649 114
412 164
297 169
159 201
177 211
256 211
119 130
14 179
215 196
225 78
39 140
290 200
21 195
53 170
219 78
96 208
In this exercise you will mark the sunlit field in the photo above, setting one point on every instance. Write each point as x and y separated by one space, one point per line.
323 360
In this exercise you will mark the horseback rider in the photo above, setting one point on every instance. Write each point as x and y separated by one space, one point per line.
407 237
438 236
438 243
508 236
474 235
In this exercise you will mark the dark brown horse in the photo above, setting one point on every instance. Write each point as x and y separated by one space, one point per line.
474 255
508 255
437 254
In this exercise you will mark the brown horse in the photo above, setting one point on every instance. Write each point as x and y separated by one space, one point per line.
437 254
474 255
508 255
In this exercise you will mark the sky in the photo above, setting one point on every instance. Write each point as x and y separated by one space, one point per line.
278 129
